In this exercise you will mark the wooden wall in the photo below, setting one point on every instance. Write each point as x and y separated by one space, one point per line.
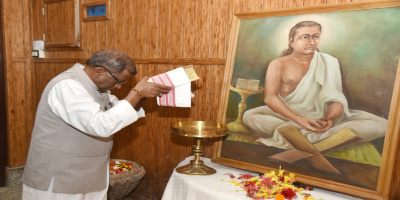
160 35
3 115
17 31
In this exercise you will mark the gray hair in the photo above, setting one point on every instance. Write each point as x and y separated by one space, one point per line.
116 60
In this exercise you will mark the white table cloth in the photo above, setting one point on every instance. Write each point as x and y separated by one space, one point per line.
212 187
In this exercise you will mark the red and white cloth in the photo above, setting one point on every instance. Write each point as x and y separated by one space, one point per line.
180 95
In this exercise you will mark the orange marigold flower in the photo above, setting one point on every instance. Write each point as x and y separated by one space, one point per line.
268 185
279 197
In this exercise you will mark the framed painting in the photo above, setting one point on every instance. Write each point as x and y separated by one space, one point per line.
314 91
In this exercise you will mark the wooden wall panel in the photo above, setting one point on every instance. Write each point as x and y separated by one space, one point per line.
101 35
161 35
292 3
190 14
337 1
272 5
91 34
60 13
130 36
254 5
203 36
19 93
313 2
219 29
3 113
120 22
111 28
141 29
15 19
29 78
17 120
163 29
176 30
37 19
234 7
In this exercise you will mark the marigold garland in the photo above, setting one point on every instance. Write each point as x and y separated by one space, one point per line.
269 185
119 167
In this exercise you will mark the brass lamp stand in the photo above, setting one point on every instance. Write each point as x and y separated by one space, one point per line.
238 125
198 130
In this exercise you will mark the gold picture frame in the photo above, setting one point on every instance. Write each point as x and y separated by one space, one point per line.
234 101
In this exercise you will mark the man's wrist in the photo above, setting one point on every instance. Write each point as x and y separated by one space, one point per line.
139 93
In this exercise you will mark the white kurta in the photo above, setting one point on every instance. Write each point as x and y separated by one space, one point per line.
319 87
70 101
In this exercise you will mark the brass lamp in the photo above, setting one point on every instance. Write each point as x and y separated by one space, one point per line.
199 130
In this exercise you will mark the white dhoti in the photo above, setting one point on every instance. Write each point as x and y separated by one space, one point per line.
29 193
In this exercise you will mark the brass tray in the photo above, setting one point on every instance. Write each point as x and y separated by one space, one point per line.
199 129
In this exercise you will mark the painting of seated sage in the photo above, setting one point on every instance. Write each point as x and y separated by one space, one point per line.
312 93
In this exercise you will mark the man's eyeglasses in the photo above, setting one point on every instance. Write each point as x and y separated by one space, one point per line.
119 82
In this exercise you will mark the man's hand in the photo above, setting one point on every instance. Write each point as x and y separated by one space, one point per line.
325 124
144 89
309 124
149 90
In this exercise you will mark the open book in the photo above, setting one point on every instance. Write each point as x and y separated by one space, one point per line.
342 138
302 148
247 84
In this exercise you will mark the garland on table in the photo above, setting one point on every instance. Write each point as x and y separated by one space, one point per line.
270 185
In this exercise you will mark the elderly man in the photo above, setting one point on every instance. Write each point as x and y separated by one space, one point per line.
303 88
75 121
